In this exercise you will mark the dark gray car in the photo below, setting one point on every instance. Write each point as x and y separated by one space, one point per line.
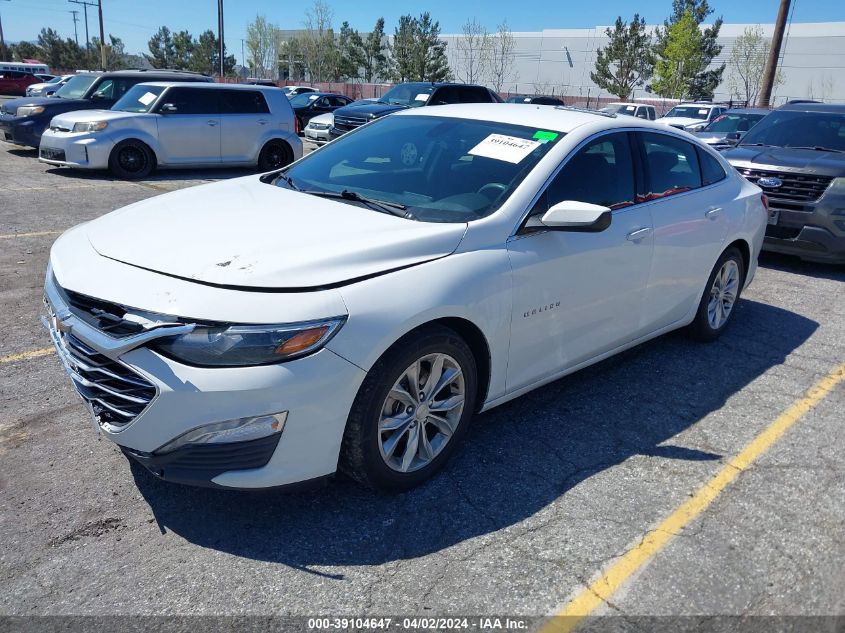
728 128
796 155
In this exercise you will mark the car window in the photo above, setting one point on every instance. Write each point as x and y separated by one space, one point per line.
242 102
602 172
446 95
76 87
192 101
104 89
711 169
138 98
689 112
338 102
642 113
323 103
671 165
787 128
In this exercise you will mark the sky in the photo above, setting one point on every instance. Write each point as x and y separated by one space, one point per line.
135 21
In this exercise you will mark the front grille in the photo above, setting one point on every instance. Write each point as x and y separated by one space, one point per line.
782 232
116 394
347 123
103 315
50 153
796 188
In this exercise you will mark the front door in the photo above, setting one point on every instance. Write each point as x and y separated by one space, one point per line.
189 127
578 295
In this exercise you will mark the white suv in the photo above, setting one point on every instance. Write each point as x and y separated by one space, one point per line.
692 117
177 124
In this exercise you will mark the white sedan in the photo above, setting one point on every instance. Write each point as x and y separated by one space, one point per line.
355 309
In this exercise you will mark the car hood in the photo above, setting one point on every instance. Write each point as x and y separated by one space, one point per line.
84 116
681 121
327 118
248 234
374 108
805 160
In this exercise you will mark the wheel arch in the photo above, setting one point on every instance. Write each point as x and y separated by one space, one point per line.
744 249
144 139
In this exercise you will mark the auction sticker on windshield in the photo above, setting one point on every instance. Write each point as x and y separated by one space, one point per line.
147 98
510 149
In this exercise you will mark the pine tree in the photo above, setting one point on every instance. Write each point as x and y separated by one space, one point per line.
627 61
374 59
162 53
430 51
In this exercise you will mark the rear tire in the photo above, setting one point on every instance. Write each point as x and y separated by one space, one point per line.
274 155
721 294
131 160
399 434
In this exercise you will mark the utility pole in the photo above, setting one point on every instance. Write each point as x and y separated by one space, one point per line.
2 39
85 6
774 54
220 38
102 37
75 20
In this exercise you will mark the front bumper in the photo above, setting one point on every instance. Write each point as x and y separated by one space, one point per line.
317 391
20 130
811 243
86 150
319 136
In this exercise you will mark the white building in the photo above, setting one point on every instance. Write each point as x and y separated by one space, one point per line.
559 61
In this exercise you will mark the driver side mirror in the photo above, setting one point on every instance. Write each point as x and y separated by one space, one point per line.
168 107
733 136
571 215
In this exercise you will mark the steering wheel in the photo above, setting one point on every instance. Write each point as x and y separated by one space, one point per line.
496 188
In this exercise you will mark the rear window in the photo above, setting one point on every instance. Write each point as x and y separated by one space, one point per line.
243 102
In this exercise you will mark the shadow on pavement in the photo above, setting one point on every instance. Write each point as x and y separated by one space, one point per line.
516 460
169 175
792 264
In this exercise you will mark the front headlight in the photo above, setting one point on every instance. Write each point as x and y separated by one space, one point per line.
91 126
247 345
29 110
837 188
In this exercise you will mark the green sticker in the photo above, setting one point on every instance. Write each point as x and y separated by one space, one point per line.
542 135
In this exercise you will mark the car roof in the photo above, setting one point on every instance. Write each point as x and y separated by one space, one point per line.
629 103
157 73
320 93
558 118
830 108
748 111
205 85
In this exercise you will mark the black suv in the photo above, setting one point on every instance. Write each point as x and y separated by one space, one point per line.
796 155
22 121
408 95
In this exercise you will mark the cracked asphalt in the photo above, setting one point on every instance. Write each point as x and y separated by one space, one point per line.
545 493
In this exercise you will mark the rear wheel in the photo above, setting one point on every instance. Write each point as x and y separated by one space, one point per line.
131 160
274 155
722 292
411 411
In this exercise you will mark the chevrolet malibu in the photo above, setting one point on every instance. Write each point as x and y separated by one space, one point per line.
355 309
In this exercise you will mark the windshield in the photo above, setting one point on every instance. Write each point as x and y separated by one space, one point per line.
139 98
799 129
733 123
300 101
689 112
411 95
75 87
620 108
442 169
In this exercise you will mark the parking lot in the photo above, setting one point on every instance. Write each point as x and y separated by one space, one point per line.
553 496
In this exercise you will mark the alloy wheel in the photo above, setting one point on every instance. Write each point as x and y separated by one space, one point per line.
132 159
421 412
723 294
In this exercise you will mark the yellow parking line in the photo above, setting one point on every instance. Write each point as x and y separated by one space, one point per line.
34 353
602 589
9 236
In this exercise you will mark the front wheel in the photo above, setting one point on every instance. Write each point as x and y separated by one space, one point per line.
411 411
131 160
720 296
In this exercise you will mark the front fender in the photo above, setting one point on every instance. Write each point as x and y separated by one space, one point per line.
475 286
290 138
151 140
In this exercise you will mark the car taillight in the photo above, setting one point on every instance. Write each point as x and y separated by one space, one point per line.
765 200
297 129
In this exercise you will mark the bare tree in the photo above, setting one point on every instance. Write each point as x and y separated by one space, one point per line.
473 52
501 58
747 63
320 46
262 41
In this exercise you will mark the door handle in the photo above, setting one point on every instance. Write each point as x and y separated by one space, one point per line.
639 234
263 122
712 214
212 122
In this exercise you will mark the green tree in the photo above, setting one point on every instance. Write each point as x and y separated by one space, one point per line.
205 57
162 52
23 50
401 63
51 48
374 57
183 48
627 61
262 46
681 59
704 82
115 52
430 61
351 53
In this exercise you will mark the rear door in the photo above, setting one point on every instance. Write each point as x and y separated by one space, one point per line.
244 118
189 134
690 224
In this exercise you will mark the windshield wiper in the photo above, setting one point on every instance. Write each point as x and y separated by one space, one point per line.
289 181
393 208
820 148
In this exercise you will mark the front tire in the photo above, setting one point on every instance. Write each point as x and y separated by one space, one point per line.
131 160
411 411
721 294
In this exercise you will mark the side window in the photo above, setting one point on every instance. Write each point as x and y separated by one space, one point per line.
442 96
602 172
104 90
711 170
242 102
322 103
192 101
474 94
642 112
651 114
121 86
671 165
